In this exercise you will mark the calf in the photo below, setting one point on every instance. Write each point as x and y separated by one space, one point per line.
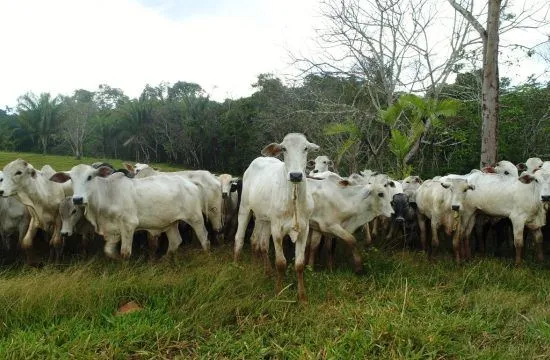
230 196
340 209
117 206
74 222
40 196
14 220
277 193
441 202
320 164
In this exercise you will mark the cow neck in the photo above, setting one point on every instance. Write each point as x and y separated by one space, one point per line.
296 195
31 189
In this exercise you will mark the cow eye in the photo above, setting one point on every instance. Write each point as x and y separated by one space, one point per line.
506 173
18 173
89 177
283 149
73 212
305 149
381 194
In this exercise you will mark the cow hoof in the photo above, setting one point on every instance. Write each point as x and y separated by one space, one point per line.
302 298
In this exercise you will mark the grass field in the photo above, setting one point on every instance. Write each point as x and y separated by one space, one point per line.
204 306
65 162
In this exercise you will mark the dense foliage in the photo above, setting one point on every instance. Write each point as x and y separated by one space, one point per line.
179 124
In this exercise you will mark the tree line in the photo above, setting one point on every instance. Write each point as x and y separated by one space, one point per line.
178 123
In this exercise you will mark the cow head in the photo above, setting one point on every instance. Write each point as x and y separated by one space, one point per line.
322 164
381 200
400 205
70 216
458 188
82 176
541 179
228 184
506 168
294 149
15 176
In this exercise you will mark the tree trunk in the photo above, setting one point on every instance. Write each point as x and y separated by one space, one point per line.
44 141
490 90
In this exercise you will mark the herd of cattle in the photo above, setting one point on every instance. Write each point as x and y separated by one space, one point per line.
283 199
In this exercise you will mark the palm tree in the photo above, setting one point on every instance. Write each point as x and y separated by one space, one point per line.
39 116
410 118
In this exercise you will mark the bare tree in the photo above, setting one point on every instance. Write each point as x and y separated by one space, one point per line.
391 46
490 36
76 126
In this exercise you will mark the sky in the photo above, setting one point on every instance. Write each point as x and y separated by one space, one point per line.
59 46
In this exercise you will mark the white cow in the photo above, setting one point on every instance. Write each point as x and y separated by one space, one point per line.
521 200
277 193
210 189
441 202
118 206
230 207
14 219
340 209
73 221
531 165
320 164
40 196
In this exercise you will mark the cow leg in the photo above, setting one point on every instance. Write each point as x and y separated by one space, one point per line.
422 228
518 226
457 245
435 238
537 235
330 245
263 231
31 233
280 261
174 240
153 244
244 218
109 248
366 231
199 229
315 240
126 240
299 264
339 231
84 243
391 230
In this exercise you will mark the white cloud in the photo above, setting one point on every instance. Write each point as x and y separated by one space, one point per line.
61 45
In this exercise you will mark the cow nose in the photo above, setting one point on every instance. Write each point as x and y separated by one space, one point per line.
64 234
545 197
1 192
455 207
296 176
400 219
315 171
224 195
77 200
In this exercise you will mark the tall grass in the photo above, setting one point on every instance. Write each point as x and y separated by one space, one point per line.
206 306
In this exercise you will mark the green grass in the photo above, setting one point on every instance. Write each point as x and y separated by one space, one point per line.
204 306
66 162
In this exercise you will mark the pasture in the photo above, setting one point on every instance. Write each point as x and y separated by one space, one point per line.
205 306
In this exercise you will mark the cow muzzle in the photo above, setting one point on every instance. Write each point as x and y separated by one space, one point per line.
455 207
296 176
224 195
78 200
400 219
545 197
1 192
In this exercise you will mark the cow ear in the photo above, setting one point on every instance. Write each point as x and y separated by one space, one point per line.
446 185
129 167
311 163
521 167
233 186
391 184
344 183
104 171
526 178
272 150
60 177
312 147
471 187
418 179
